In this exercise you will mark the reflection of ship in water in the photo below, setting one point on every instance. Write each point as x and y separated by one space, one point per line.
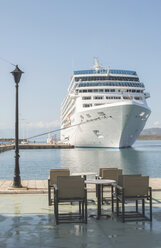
90 160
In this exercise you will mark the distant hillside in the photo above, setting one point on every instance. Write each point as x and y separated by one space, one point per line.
151 131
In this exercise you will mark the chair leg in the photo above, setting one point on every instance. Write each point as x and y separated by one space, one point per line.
56 212
49 195
112 197
117 207
85 203
123 208
150 204
96 190
137 206
56 208
102 193
82 203
80 208
143 207
117 204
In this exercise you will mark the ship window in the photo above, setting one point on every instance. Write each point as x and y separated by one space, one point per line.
87 105
95 90
82 117
142 114
102 78
101 113
106 90
127 97
100 90
84 90
98 97
138 98
124 84
97 104
89 90
112 90
86 97
113 97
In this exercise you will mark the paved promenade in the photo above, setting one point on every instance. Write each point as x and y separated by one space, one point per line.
26 221
41 186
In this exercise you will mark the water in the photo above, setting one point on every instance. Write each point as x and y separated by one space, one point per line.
144 158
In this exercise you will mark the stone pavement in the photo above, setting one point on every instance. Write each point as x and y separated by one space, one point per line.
26 221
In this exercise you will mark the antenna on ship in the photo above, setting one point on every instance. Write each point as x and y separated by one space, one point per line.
108 70
96 65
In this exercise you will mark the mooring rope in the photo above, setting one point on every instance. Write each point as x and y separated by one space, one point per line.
81 123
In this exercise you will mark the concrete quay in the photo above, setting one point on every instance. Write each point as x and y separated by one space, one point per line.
41 186
7 147
45 146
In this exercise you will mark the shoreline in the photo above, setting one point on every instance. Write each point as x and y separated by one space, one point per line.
41 186
7 147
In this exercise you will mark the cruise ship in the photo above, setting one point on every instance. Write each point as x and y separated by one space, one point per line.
104 108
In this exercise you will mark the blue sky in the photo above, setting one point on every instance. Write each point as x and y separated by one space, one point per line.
49 39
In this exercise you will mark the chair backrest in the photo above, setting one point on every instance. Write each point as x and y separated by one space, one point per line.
70 187
121 177
100 171
111 173
58 172
135 186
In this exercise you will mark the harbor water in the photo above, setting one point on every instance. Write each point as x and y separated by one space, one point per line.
144 157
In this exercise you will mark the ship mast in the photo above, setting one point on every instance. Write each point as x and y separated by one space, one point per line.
96 65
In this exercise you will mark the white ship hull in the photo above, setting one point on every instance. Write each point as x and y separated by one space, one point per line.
114 125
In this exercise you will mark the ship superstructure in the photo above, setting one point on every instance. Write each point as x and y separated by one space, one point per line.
104 108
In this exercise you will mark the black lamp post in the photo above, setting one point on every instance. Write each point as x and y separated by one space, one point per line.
17 179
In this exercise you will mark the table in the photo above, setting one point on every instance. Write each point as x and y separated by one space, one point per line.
100 182
84 174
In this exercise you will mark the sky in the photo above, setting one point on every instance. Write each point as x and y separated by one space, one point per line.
49 39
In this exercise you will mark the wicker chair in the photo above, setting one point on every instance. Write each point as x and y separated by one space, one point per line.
112 174
53 180
70 189
133 188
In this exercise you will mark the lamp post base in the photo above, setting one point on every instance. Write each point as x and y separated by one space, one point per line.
17 182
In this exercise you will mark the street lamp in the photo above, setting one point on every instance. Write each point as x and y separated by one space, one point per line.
17 179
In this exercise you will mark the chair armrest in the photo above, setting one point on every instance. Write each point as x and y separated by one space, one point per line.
118 187
48 182
55 187
150 191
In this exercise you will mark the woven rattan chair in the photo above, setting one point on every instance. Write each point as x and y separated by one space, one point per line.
112 174
53 180
70 189
133 188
